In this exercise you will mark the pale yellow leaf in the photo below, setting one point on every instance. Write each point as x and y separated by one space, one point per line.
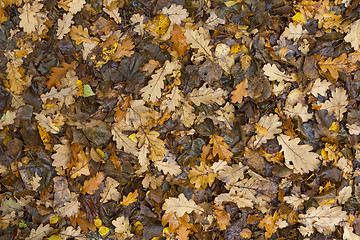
181 205
337 103
298 110
207 95
324 218
176 13
298 157
7 119
271 126
353 35
39 233
109 191
123 141
64 25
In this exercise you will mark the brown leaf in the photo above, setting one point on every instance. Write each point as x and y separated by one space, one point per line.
220 148
58 73
91 185
125 49
178 40
240 92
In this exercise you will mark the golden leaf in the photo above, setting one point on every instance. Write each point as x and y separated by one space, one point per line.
130 198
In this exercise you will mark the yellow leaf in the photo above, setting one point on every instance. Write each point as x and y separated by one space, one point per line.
130 198
230 3
45 137
299 18
80 35
54 219
14 81
97 222
201 176
103 231
54 237
158 25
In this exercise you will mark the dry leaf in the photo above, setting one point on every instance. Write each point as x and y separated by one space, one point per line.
353 35
220 148
298 157
267 128
109 191
337 103
125 49
64 25
324 218
176 13
240 92
130 198
91 185
181 205
58 73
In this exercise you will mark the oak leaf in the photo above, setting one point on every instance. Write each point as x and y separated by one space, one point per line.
240 92
71 208
63 155
47 123
274 74
125 49
152 91
336 65
14 78
122 226
28 20
267 128
220 148
320 87
224 58
176 13
231 174
207 95
214 20
222 218
294 32
178 40
344 194
123 141
201 176
298 157
324 218
153 142
168 167
186 114
80 35
114 14
181 205
75 6
198 41
353 36
298 110
91 185
130 198
58 73
39 233
337 103
7 119
64 25
109 191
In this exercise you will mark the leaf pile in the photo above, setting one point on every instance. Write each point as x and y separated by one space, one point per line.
179 119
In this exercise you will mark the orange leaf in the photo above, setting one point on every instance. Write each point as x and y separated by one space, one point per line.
132 197
222 218
58 73
240 92
178 40
93 183
220 148
183 233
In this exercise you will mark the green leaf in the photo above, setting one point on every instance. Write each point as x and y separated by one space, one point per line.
88 91
22 224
